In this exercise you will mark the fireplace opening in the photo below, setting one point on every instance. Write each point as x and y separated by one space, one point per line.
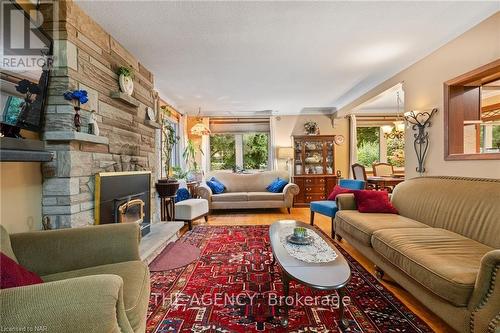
123 197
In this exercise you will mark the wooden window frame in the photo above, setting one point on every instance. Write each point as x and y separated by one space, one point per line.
469 81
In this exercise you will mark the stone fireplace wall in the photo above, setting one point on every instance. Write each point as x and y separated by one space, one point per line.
87 57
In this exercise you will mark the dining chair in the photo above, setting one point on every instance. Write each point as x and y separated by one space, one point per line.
383 169
359 171
329 207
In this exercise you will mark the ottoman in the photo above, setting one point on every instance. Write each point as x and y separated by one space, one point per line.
190 210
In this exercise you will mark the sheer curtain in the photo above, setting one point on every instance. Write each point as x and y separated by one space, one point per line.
353 143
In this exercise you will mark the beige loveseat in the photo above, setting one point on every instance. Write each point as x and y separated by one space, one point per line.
444 247
248 191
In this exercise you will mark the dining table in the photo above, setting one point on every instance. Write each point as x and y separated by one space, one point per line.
380 182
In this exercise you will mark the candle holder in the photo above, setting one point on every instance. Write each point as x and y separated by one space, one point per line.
419 121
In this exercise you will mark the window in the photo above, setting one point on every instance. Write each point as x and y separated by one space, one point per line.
249 151
368 139
175 160
222 152
373 147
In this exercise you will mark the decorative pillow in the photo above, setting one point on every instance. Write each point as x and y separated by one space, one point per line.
277 185
216 186
339 190
182 194
374 202
14 275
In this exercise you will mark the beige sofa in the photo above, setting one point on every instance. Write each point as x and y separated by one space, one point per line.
248 191
444 247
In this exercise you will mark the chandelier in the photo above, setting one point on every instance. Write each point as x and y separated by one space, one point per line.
398 131
200 128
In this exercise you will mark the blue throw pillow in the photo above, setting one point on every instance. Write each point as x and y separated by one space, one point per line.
182 194
277 185
216 186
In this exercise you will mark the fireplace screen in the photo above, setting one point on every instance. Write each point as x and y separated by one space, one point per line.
131 211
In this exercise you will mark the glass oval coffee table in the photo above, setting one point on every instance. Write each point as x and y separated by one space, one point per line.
333 275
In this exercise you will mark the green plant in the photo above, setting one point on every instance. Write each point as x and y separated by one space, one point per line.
169 141
126 71
189 155
179 173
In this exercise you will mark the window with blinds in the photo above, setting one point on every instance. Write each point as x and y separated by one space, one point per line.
240 143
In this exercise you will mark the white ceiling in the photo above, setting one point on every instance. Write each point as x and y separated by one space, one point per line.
281 56
384 103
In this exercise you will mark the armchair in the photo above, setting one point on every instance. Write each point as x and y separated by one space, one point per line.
329 207
94 280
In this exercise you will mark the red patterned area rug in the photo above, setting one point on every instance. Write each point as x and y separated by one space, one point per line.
232 288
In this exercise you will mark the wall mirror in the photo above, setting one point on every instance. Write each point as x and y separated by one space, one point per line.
472 114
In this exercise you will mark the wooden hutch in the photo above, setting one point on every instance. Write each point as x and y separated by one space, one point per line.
313 167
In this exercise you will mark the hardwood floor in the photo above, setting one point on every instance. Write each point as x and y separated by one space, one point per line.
263 217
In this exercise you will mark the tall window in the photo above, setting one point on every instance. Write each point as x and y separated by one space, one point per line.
175 160
368 145
374 147
249 151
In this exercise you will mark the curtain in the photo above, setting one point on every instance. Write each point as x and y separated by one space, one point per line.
353 143
272 145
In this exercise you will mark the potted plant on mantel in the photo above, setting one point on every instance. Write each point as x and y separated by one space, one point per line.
167 187
189 156
125 79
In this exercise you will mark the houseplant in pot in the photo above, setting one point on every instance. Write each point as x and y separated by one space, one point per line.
125 79
189 155
167 187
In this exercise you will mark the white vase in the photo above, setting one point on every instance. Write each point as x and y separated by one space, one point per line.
126 84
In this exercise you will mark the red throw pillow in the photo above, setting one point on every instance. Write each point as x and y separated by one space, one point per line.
374 202
14 275
339 190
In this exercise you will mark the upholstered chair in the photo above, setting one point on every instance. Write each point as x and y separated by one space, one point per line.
94 280
329 207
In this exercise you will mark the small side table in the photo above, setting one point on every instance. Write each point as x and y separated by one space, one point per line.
168 208
192 187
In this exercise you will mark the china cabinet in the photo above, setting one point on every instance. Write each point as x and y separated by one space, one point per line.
313 167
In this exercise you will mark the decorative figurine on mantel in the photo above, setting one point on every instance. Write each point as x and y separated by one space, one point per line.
82 97
76 119
93 128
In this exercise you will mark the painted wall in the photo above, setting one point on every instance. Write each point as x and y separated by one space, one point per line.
20 196
286 126
423 86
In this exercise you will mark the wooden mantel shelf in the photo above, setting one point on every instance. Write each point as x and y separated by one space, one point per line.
75 136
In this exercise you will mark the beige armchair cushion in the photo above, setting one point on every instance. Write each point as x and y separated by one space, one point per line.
263 196
361 226
442 261
135 275
230 196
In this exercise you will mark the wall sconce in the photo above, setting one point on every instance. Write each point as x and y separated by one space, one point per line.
419 121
